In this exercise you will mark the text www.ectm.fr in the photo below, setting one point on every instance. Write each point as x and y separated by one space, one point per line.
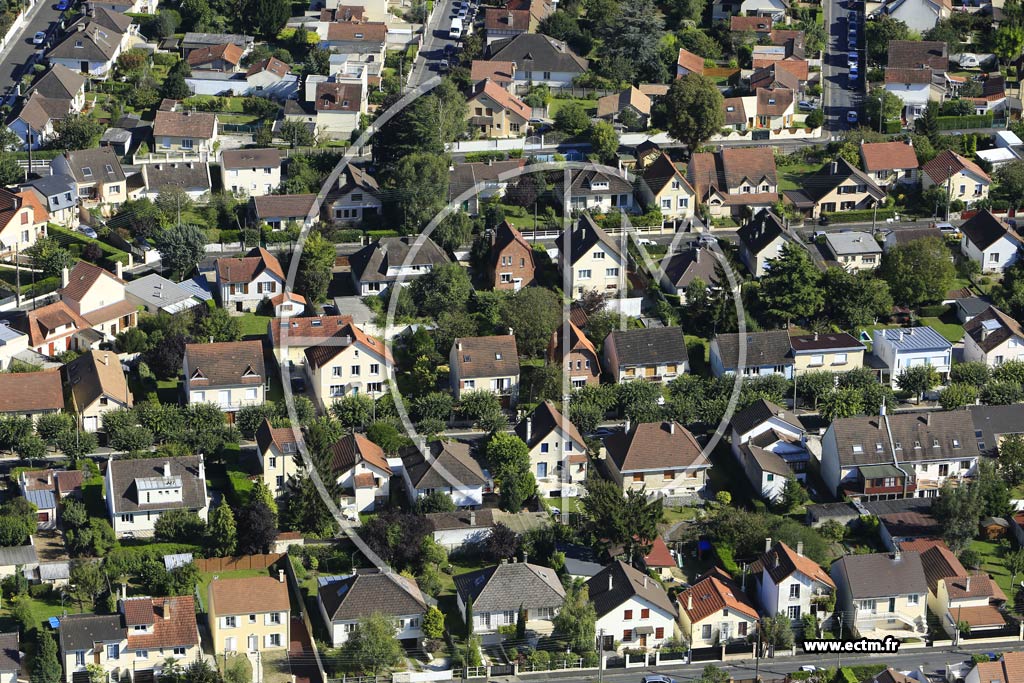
887 645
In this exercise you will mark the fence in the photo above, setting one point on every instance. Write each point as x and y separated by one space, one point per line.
476 672
360 679
229 564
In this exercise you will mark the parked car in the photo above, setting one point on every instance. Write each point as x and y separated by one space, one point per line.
298 384
87 231
851 116
63 5
39 38
852 59
804 105
657 678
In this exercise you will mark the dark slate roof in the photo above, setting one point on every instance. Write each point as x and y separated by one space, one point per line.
449 458
762 230
922 436
96 160
537 52
461 519
993 422
649 346
10 656
759 412
370 591
683 268
618 582
763 348
880 575
371 262
829 176
579 559
186 175
59 82
22 554
585 235
82 631
983 229
992 327
124 473
509 586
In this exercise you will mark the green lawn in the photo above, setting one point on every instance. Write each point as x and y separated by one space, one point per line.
954 332
560 102
42 608
992 562
791 177
253 325
679 514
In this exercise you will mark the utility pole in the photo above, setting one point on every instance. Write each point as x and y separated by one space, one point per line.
600 656
949 187
17 272
29 169
839 650
757 655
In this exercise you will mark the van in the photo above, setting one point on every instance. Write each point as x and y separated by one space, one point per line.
456 31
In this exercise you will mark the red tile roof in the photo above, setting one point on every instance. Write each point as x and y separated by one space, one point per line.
691 62
887 156
244 596
948 163
659 556
173 620
711 595
228 52
503 98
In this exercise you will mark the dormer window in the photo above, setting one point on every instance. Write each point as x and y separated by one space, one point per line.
858 448
935 443
898 446
497 356
465 359
109 168
878 447
917 444
87 171
956 443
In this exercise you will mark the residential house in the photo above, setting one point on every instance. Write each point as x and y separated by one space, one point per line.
774 108
637 104
539 60
854 250
98 296
473 184
884 593
734 180
494 112
790 583
139 491
345 601
61 83
680 270
488 364
582 364
1005 670
22 220
159 630
511 259
222 57
664 185
900 348
290 337
964 179
93 639
895 238
596 190
58 196
761 240
36 121
989 242
502 73
890 163
558 452
54 329
93 43
835 352
501 23
393 261
461 528
903 455
278 451
18 559
279 211
688 63
191 177
767 353
355 37
244 283
348 363
776 10
356 198
918 15
915 88
252 172
271 77
198 41
185 132
500 593
12 343
909 525
714 611
653 354
595 261
249 614
659 560
759 26
339 108
661 458
449 469
45 489
361 471
99 180
993 338
775 76
10 657
228 374
154 293
631 607
836 186
97 386
770 444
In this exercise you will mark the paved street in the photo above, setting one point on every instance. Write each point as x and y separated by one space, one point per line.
838 97
43 17
435 39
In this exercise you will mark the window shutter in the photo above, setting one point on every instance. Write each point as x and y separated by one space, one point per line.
266 640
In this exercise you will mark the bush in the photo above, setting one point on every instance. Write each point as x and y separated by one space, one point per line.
860 215
165 59
349 235
935 311
725 559
961 122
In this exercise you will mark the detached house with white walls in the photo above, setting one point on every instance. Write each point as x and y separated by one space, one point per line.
901 348
993 338
98 296
488 364
139 491
278 451
444 466
594 260
361 471
346 600
790 583
349 363
761 240
715 611
228 374
499 593
989 242
770 445
394 261
632 608
250 172
885 594
244 283
558 452
22 220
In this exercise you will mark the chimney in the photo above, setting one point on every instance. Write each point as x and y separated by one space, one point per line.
65 277
767 544
645 580
671 426
202 468
119 270
106 359
211 338
167 609
124 591
458 345
511 332
529 429
777 561
526 557
167 468
881 410
800 548
967 584
815 336
835 167
928 418
897 555
610 584
627 425
472 517
689 600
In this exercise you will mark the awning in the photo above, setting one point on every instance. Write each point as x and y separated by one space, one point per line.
643 630
880 471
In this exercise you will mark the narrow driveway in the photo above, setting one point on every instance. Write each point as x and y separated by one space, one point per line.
435 39
840 95
15 58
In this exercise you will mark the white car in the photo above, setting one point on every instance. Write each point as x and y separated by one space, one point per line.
39 38
87 231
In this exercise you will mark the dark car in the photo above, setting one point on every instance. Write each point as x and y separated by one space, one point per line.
298 384
823 220
64 5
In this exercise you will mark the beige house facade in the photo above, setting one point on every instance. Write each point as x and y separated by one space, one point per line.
249 614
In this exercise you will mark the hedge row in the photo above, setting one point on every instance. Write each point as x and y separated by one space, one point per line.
958 122
67 237
861 215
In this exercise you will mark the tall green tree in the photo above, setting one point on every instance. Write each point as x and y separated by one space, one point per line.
792 287
445 288
221 533
509 460
266 18
374 646
625 521
314 275
181 248
576 621
78 131
419 187
695 110
10 170
918 379
1011 459
532 313
918 272
957 510
1008 42
879 33
840 403
45 665
632 41
604 141
425 126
